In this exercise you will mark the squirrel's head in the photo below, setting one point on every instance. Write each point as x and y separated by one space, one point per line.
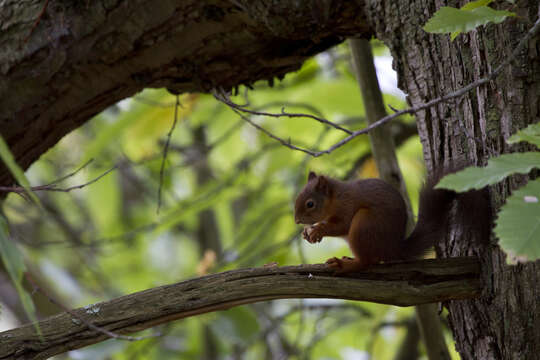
312 202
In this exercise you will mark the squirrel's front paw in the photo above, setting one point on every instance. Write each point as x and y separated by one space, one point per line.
312 234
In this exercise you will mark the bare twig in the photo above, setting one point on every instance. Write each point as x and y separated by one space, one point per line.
224 98
52 186
166 149
73 173
283 104
236 126
75 187
282 141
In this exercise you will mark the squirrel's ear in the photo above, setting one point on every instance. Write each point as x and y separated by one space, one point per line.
311 176
323 185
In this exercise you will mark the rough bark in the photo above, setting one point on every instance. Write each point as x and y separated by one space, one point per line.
504 323
402 284
84 56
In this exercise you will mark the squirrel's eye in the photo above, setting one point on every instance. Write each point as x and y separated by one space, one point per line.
310 204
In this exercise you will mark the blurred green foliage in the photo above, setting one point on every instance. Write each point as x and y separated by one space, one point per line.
228 193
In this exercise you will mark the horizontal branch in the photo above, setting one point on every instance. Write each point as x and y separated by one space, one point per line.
401 284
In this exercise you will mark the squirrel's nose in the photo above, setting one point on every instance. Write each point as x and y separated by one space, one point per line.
297 220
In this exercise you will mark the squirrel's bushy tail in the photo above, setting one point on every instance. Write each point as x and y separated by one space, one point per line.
473 212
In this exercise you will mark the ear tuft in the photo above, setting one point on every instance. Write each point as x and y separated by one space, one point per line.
323 185
311 176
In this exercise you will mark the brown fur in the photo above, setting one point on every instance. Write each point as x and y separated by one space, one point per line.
372 216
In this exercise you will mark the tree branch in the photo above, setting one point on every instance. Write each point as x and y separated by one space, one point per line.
401 284
81 58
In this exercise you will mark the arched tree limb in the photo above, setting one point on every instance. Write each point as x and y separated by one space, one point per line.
402 284
84 56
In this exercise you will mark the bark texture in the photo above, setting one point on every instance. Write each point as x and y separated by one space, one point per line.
504 323
402 284
84 56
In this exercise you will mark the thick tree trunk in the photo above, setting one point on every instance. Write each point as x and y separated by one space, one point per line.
84 56
505 322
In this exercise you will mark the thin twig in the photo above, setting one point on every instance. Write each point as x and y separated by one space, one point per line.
166 149
283 104
70 174
282 141
235 127
75 187
76 317
52 186
224 98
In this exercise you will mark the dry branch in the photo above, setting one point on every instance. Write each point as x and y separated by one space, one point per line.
402 284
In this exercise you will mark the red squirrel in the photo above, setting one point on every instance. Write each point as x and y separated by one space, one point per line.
372 216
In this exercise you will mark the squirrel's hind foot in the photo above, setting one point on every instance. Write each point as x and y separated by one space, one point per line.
345 265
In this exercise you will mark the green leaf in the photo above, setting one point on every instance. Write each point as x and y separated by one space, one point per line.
518 223
497 169
14 264
530 134
16 171
455 21
475 4
470 6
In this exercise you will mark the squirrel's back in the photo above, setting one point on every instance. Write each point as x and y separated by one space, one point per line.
378 231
